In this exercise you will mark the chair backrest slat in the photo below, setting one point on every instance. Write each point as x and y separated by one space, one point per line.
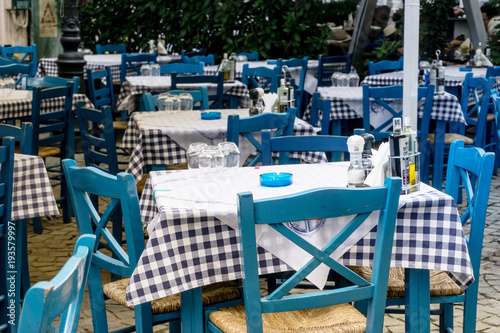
208 60
329 65
22 134
10 52
111 48
179 82
200 96
251 56
253 76
29 83
134 61
181 68
385 66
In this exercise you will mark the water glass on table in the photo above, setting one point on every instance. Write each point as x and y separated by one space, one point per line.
146 70
193 153
186 102
210 160
231 154
172 103
7 86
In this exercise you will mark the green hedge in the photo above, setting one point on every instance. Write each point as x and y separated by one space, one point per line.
278 28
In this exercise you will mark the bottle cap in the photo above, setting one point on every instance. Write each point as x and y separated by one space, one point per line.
282 82
225 55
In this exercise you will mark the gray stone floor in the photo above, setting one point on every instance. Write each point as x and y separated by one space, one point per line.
50 250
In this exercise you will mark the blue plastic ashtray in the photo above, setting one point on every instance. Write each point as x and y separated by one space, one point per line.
275 179
272 62
210 115
465 69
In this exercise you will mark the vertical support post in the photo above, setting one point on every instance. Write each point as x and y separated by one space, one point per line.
70 63
361 30
475 22
410 67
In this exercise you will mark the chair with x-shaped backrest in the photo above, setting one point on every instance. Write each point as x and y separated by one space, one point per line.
134 62
473 167
379 99
251 56
122 195
181 68
279 311
111 48
385 66
199 96
282 123
329 65
183 82
61 296
10 52
208 60
260 77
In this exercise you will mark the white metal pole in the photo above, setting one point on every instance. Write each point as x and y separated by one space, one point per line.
410 67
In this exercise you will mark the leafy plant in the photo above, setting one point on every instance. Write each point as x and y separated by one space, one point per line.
434 28
280 28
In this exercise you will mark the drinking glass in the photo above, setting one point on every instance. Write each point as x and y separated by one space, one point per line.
231 154
193 153
241 58
343 80
172 103
155 69
186 102
162 99
210 159
335 77
145 70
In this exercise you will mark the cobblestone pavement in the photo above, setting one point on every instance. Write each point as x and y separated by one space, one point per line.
49 251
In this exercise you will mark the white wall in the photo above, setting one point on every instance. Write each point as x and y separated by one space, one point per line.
10 31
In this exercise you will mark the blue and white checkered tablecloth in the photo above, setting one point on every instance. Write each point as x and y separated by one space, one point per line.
151 145
189 248
32 194
95 62
16 108
133 87
345 100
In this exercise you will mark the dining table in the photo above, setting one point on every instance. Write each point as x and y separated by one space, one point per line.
311 81
453 79
95 62
191 220
18 104
163 137
347 103
134 86
32 197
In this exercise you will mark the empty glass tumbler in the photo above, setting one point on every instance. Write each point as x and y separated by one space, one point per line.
193 153
155 69
145 70
210 159
231 154
186 102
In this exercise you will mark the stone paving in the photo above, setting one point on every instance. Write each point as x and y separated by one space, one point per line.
49 251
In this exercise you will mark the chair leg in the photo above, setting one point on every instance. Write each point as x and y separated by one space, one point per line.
446 317
37 225
470 307
25 271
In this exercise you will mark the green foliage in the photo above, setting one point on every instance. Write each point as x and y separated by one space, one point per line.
494 43
275 29
434 29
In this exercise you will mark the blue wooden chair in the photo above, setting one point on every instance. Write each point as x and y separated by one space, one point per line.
282 123
385 66
476 116
9 52
325 106
495 97
110 48
251 56
122 193
178 82
6 184
287 144
5 61
301 96
260 77
208 60
134 61
277 311
199 96
192 53
100 91
472 167
53 135
61 296
22 134
378 99
329 65
14 70
29 83
181 68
